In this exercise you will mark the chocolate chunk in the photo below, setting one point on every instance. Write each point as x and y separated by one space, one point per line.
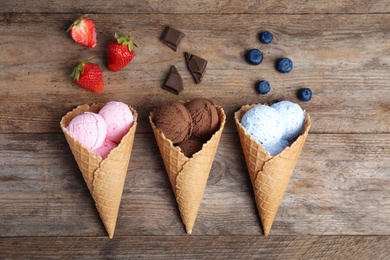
174 82
172 37
196 65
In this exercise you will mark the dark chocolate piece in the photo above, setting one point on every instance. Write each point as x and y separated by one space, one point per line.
196 65
174 82
172 37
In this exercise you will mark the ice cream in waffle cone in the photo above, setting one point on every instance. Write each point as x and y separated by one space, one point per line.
188 176
269 174
105 178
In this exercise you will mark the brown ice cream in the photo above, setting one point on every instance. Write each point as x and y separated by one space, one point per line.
174 120
188 126
191 146
205 118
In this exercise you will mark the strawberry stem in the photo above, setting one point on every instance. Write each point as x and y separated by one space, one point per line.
80 68
125 40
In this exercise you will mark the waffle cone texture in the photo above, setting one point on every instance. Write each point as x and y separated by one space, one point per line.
105 178
269 174
188 176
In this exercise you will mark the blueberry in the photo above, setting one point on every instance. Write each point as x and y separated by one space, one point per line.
266 37
304 94
284 65
254 56
263 87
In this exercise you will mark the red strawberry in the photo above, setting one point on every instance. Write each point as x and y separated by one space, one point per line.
83 31
89 76
120 52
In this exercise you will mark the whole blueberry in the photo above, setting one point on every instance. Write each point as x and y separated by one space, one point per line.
284 65
254 56
263 87
266 37
304 94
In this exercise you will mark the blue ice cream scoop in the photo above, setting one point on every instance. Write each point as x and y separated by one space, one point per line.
292 116
264 124
276 148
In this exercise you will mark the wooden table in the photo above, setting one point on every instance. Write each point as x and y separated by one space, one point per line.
337 204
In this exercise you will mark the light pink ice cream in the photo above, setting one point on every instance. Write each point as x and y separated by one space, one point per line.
89 129
105 149
118 119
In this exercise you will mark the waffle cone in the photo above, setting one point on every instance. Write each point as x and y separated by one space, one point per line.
188 176
105 178
269 174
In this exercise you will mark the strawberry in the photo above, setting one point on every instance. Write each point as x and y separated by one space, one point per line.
120 52
89 76
83 31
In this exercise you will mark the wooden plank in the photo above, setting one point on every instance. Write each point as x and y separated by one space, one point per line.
200 6
198 247
343 58
337 204
340 186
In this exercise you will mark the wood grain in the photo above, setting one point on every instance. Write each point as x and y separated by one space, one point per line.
198 247
344 59
337 204
42 191
194 7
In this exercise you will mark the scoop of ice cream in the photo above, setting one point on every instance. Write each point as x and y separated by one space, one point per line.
276 148
174 120
118 119
264 124
89 129
105 149
191 146
204 116
292 116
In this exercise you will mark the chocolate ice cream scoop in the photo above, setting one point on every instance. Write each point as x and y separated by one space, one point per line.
174 120
205 118
191 146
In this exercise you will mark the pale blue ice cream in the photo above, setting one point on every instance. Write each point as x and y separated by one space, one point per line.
264 124
292 116
274 127
276 148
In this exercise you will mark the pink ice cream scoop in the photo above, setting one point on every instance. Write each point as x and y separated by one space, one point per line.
118 119
89 129
105 149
